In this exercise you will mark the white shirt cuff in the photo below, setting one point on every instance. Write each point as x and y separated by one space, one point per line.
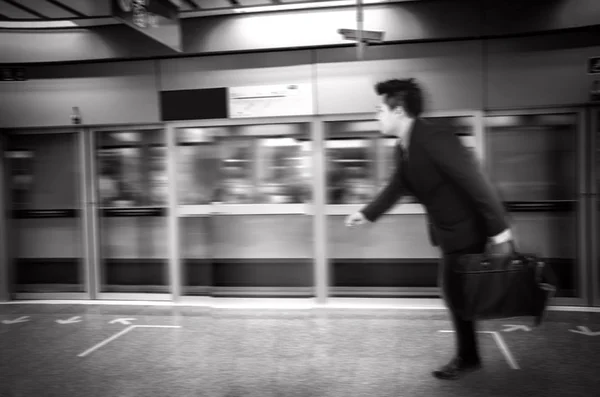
502 237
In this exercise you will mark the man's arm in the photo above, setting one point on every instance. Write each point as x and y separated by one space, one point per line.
386 198
454 160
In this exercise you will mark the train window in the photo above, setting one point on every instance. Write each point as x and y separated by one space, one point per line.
236 168
283 170
42 171
351 170
361 159
132 169
533 157
198 165
244 164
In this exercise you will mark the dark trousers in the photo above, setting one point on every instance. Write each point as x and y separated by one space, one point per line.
452 293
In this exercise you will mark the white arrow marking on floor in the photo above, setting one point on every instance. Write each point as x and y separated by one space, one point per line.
71 320
125 321
18 320
585 331
514 327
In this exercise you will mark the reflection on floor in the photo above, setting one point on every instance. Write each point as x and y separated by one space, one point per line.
118 351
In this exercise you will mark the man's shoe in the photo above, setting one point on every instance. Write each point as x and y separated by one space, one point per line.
456 369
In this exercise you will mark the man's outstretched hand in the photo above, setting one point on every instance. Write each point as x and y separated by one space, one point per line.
355 219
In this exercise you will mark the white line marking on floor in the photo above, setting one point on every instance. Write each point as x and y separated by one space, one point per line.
501 345
120 333
157 326
106 341
289 303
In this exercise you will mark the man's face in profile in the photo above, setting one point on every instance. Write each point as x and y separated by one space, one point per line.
389 119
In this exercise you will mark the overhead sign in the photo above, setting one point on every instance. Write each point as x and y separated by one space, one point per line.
368 36
594 65
158 19
270 101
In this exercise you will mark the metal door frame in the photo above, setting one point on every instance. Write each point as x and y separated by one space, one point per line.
78 133
593 117
582 257
5 267
94 219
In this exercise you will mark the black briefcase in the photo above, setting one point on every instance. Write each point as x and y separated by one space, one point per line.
519 285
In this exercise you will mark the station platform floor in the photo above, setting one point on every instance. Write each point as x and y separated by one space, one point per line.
123 350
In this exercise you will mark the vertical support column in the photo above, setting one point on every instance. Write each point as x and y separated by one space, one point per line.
4 265
592 206
321 269
93 216
582 216
359 30
257 168
86 182
175 280
479 135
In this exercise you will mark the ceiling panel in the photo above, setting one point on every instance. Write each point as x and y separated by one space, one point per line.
255 2
52 9
93 8
13 12
185 5
210 4
47 9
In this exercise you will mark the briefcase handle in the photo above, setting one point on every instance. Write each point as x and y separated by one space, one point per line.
539 268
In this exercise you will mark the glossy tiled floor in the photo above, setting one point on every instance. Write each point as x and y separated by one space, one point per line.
122 351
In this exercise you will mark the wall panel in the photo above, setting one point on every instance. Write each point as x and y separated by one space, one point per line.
540 71
60 45
236 70
309 28
114 93
450 73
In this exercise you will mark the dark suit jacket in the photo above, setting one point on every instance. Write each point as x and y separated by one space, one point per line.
462 207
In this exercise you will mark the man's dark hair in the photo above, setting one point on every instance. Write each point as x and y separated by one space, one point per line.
405 93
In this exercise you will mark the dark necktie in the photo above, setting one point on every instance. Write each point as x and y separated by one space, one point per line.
402 159
402 155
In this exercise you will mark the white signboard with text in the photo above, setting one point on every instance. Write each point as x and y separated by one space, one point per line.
271 101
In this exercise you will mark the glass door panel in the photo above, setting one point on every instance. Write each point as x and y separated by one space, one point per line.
132 208
242 218
198 169
394 256
532 160
45 238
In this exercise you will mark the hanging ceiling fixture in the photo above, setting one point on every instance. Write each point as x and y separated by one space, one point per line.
360 35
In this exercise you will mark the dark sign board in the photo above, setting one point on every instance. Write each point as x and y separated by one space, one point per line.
594 65
197 104
158 19
12 74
